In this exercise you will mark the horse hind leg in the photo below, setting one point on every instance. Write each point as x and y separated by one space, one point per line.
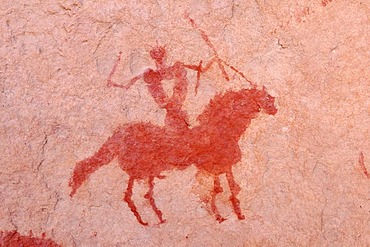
130 202
216 190
234 189
149 196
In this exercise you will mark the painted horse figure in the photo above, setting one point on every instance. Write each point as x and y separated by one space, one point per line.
144 150
214 142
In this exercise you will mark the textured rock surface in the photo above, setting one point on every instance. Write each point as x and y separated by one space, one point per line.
302 177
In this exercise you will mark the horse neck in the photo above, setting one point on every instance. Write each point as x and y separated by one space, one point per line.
234 124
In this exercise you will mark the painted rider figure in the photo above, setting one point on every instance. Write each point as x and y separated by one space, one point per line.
176 118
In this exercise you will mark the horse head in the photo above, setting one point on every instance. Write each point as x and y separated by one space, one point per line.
265 101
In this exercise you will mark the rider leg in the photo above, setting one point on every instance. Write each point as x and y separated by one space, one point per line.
176 117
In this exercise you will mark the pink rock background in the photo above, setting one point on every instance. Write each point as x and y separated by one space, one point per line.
300 176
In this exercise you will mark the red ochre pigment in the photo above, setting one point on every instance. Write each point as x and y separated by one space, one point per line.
145 150
14 239
325 2
361 162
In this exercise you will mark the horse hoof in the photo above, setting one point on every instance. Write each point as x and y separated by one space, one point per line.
144 223
161 222
241 217
220 219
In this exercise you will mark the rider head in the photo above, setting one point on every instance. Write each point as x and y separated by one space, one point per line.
158 54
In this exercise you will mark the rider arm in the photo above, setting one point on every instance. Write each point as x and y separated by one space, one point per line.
113 84
127 86
201 69
220 65
219 62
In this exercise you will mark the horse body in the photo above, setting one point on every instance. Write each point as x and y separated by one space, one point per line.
144 150
213 153
148 150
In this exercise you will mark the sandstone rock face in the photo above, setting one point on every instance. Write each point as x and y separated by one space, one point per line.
266 146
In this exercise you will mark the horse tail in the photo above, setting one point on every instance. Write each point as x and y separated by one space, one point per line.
107 152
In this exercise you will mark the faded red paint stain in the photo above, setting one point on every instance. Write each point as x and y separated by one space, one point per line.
301 14
14 239
144 150
361 162
325 2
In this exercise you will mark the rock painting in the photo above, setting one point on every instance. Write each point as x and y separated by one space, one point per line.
13 239
145 150
361 162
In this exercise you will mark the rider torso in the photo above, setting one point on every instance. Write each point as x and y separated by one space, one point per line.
175 117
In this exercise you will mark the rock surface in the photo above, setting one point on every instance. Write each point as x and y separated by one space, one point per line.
303 171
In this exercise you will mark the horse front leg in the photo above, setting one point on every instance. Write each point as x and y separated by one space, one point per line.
130 202
234 189
149 196
216 190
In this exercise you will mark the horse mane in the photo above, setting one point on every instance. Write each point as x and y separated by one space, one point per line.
220 105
